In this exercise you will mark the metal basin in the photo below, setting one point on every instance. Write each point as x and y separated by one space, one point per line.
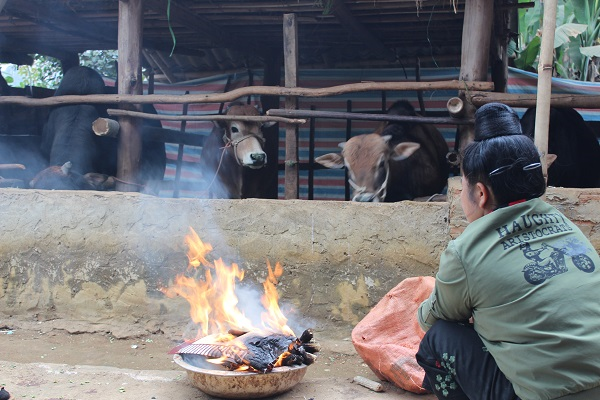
242 385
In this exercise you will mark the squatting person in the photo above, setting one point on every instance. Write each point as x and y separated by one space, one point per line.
515 312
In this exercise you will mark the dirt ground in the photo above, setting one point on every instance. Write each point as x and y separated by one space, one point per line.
50 364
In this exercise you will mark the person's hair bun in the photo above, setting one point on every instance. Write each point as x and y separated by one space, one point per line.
496 119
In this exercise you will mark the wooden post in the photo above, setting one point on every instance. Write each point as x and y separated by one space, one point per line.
477 31
130 82
544 87
180 151
290 56
272 77
499 46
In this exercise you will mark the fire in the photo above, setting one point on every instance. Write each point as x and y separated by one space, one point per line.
213 301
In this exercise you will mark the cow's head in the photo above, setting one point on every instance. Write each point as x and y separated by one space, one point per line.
245 138
367 158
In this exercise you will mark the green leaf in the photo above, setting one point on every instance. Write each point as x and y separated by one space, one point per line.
590 51
527 56
583 11
564 32
561 70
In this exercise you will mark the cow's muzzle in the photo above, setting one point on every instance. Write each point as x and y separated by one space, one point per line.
255 160
362 195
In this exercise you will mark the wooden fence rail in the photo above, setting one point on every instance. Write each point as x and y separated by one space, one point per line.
246 91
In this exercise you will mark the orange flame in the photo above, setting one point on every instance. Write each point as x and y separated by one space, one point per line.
273 318
213 302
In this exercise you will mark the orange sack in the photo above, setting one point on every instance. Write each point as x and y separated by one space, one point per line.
388 337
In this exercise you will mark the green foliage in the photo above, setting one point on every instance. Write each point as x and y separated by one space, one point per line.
47 72
44 72
575 39
103 61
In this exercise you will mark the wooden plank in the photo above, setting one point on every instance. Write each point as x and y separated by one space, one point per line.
290 56
130 82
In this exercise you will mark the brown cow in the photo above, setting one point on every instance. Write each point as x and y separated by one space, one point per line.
400 161
232 154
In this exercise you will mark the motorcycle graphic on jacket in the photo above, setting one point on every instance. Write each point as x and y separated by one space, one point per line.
549 261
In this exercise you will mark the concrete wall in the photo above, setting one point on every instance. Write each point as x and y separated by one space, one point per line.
94 261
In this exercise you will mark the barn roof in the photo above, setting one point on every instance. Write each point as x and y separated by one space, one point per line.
213 36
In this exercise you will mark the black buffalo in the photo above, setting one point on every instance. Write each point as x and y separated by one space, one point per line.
575 146
68 136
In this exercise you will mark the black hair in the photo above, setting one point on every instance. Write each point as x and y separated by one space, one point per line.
502 158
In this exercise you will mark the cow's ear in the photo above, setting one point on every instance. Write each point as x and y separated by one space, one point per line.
550 158
331 160
386 138
341 145
404 150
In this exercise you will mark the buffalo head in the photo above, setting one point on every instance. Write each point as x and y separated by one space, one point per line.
367 158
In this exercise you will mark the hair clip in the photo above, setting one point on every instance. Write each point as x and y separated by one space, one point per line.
500 170
532 166
504 168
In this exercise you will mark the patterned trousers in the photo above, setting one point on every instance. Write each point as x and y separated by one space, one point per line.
458 366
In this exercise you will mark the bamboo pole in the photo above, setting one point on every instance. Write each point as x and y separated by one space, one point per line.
369 117
530 100
544 87
217 117
247 91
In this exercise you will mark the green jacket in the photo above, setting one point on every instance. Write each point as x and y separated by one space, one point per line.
531 281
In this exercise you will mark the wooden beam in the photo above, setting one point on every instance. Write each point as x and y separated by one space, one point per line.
477 32
358 30
290 57
250 90
130 82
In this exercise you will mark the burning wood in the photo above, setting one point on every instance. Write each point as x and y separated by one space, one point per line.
256 351
227 337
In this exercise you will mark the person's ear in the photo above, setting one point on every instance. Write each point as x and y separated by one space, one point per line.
482 196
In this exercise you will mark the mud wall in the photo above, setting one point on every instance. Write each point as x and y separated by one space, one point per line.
95 261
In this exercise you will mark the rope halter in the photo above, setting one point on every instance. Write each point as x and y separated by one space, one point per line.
234 143
380 193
